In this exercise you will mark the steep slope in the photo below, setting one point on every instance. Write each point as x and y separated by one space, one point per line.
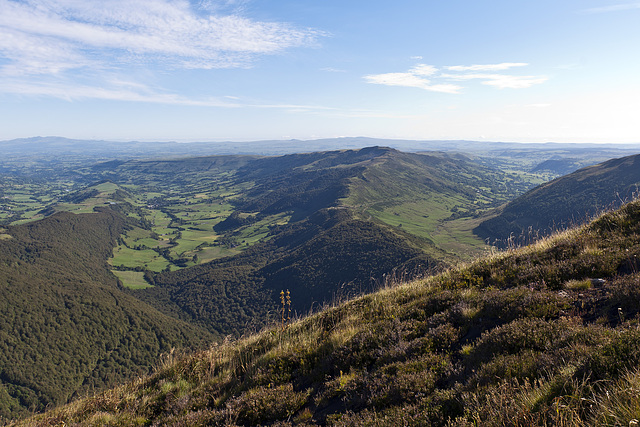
543 335
424 193
341 238
66 326
562 202
557 166
372 179
329 255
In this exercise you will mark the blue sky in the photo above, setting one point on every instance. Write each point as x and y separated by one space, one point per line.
216 70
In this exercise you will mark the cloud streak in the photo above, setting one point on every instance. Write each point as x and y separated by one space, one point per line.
613 8
415 77
501 81
71 49
430 78
171 32
117 90
487 67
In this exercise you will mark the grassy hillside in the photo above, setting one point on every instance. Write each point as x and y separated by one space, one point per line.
67 327
217 238
212 207
427 194
543 335
571 199
326 225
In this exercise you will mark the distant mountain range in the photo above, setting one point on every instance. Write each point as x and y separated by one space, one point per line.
58 147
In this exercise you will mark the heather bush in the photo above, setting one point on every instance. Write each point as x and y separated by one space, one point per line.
266 404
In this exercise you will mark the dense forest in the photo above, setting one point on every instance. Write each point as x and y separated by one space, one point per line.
67 328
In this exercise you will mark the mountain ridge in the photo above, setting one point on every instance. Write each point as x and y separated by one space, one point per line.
570 199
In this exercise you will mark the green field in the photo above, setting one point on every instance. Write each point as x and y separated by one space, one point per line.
132 279
178 211
146 259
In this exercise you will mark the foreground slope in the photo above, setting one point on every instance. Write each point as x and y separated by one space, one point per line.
66 326
543 335
565 201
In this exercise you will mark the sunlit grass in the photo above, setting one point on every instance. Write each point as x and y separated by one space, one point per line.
132 279
131 258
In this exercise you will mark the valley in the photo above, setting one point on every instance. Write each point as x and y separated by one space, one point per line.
203 196
204 246
541 335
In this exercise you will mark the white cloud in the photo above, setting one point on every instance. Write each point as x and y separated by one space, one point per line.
397 79
46 35
423 70
131 91
439 82
487 67
116 91
27 54
415 77
71 49
221 6
514 82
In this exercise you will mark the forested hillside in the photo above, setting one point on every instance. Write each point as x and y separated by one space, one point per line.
565 201
336 224
67 328
329 256
542 335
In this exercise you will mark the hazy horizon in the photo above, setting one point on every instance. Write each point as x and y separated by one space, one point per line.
243 70
345 142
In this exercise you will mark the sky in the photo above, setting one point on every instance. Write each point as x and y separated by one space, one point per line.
241 70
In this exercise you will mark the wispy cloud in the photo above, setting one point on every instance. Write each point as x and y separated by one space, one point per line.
333 70
423 70
440 82
172 33
116 91
502 81
539 105
45 44
415 77
119 90
487 67
613 8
